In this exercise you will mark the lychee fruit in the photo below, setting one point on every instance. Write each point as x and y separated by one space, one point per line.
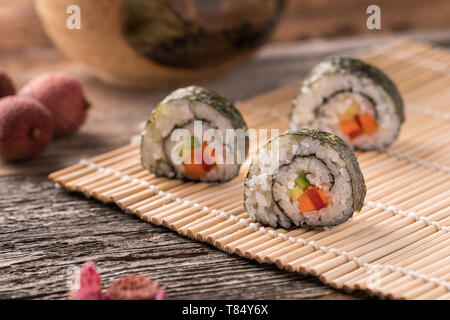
7 87
63 96
26 127
135 287
87 284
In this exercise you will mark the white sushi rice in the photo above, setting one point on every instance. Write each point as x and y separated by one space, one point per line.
157 148
311 98
294 155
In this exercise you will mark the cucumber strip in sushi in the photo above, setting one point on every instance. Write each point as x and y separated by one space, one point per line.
203 116
304 177
352 99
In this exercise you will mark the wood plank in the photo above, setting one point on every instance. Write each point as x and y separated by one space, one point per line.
44 232
392 206
71 230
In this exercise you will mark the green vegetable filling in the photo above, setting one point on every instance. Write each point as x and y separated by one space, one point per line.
301 184
295 193
189 143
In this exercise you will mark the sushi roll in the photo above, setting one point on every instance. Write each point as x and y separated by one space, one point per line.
202 117
352 99
304 177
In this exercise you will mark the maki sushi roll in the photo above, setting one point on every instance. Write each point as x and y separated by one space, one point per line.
304 177
352 99
188 137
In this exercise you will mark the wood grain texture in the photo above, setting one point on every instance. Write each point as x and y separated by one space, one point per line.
44 230
381 235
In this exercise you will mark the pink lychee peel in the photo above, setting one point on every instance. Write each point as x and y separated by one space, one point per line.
26 128
63 96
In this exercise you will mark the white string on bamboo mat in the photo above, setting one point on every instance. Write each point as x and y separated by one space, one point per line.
127 178
256 227
427 111
441 115
397 155
405 214
399 53
145 184
421 162
433 65
430 112
137 139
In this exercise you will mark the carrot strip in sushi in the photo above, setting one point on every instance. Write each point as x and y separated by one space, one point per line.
316 199
305 204
304 177
185 119
199 170
367 123
312 199
194 170
351 128
352 99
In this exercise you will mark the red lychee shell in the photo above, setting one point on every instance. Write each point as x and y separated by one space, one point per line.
7 87
63 96
26 127
87 284
135 287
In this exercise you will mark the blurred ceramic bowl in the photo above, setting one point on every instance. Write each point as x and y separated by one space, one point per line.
157 43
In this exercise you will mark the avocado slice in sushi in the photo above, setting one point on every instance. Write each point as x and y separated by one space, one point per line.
302 182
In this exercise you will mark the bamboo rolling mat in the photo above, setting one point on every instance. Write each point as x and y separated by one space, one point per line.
398 246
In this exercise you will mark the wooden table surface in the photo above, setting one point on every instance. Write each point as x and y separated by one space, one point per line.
46 232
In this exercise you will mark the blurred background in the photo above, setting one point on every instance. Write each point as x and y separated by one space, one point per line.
254 22
303 33
301 20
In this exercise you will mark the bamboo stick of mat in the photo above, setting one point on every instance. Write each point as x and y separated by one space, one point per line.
396 247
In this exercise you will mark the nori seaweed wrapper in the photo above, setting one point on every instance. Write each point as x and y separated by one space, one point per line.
195 93
345 152
211 98
348 65
359 188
